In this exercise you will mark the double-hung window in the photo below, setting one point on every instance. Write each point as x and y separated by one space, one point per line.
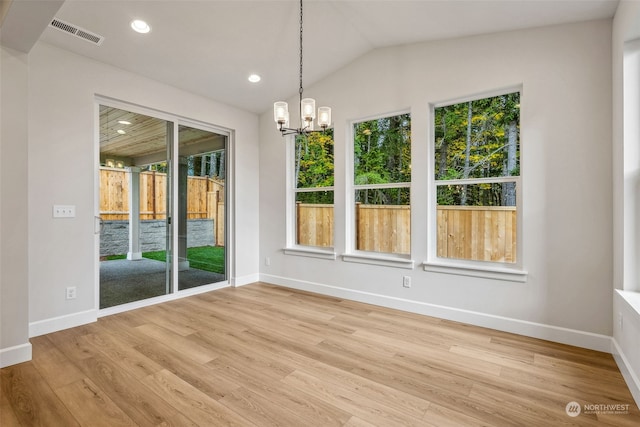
382 184
312 179
476 160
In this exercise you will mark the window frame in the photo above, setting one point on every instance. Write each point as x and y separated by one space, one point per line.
291 247
352 254
499 270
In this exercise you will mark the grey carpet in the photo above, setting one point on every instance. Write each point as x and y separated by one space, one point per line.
123 281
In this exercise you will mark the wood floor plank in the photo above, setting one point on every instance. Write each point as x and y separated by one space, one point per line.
195 405
8 417
369 410
121 354
33 401
561 351
444 417
436 357
190 349
198 375
477 353
393 398
51 363
139 402
311 409
71 344
91 406
512 407
577 369
358 422
569 385
434 387
201 316
267 355
162 315
259 410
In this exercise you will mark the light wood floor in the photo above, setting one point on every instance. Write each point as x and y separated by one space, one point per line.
261 355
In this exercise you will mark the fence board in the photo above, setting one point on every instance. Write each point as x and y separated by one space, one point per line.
383 228
205 197
479 233
314 224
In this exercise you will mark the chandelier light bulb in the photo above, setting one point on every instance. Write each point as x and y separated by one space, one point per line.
280 112
324 117
308 107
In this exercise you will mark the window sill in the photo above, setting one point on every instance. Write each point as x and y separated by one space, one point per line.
311 253
632 298
385 261
496 273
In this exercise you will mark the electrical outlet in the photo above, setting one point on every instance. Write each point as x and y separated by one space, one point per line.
406 281
64 211
267 261
620 321
71 292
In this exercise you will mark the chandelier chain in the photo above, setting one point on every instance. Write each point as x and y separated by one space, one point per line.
301 89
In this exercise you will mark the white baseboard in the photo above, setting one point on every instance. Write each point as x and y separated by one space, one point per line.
59 323
521 327
14 355
245 280
629 375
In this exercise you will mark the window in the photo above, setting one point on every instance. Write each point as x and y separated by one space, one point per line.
381 182
313 178
477 177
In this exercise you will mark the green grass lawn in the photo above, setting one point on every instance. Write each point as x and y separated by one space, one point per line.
208 258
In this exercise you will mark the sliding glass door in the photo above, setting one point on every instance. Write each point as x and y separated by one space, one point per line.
201 190
161 208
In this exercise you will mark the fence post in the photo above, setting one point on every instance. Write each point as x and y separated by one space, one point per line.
357 225
298 225
153 194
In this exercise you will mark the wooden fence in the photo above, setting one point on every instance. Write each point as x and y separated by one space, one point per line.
205 198
465 232
477 232
383 228
314 225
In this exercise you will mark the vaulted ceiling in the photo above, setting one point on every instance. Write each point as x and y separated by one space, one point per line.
210 47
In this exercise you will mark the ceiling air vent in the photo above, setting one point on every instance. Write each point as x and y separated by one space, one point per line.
76 31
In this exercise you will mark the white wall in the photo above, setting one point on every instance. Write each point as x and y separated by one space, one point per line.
61 170
565 72
14 343
626 199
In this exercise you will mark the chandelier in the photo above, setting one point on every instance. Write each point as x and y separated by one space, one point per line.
307 108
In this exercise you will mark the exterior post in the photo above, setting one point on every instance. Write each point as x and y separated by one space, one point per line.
183 177
135 253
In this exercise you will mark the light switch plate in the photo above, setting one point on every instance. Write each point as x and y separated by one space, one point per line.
64 211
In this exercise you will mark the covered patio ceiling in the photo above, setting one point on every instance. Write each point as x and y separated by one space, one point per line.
138 140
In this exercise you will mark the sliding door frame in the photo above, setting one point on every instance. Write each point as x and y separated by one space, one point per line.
175 122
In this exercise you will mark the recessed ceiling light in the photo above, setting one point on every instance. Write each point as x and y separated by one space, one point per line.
140 26
121 132
124 122
254 78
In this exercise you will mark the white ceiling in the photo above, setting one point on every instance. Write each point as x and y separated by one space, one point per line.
209 47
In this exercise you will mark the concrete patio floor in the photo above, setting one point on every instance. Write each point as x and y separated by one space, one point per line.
123 281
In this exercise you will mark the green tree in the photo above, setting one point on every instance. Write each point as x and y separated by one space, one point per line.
478 139
314 166
382 155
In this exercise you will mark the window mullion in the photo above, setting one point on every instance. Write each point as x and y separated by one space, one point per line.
492 180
